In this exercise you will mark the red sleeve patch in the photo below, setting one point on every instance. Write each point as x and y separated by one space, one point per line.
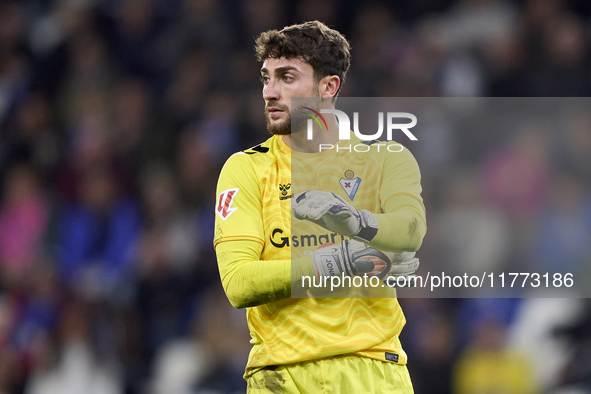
224 206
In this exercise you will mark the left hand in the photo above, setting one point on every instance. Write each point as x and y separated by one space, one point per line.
332 212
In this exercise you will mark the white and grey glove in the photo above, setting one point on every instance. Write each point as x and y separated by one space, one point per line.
403 264
332 212
351 258
354 258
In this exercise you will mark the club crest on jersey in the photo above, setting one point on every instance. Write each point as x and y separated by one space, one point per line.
224 207
350 184
284 188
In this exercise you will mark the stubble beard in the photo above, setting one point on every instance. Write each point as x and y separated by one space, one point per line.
299 120
282 128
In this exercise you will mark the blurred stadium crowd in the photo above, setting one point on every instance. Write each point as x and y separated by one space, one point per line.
116 117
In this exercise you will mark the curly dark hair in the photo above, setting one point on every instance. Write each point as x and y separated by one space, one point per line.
325 49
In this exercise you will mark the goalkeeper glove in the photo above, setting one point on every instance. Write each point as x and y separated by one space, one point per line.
332 212
353 258
404 264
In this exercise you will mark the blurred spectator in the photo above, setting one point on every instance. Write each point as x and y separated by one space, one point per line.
97 236
33 137
167 221
489 366
91 146
137 132
14 82
195 164
505 62
90 72
533 334
199 24
261 15
11 371
564 230
217 132
200 362
15 64
185 96
224 332
473 312
575 141
376 41
326 11
577 372
252 119
430 365
133 35
72 364
12 27
23 220
564 71
167 262
438 150
28 315
516 178
477 23
474 234
461 76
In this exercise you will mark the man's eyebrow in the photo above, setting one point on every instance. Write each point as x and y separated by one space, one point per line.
280 70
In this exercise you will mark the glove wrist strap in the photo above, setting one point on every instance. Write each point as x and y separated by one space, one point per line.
369 226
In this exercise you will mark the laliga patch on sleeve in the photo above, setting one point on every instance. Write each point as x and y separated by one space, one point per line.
224 207
392 357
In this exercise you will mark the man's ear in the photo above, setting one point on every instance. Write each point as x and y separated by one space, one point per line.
329 86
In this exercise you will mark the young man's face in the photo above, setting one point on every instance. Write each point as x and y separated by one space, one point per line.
283 79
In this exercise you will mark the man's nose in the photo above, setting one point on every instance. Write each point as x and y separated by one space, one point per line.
271 91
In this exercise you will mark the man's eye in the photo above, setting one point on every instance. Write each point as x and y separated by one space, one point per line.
264 80
287 78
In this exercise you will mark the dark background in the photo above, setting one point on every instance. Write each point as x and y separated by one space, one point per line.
116 117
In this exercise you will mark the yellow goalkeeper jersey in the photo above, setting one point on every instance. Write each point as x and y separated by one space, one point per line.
254 193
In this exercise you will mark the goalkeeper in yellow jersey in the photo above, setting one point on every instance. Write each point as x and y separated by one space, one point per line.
357 215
